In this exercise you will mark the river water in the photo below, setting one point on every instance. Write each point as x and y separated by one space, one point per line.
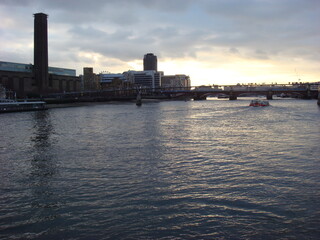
214 169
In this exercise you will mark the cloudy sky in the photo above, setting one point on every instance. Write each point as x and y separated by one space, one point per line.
212 41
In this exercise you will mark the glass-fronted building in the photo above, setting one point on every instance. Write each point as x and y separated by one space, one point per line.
145 79
22 67
109 77
149 79
15 67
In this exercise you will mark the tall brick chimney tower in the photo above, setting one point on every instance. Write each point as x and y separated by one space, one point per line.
41 74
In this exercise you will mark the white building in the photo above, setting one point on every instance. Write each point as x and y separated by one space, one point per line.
146 79
149 78
178 81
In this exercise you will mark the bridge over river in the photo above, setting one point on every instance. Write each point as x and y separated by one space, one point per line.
306 91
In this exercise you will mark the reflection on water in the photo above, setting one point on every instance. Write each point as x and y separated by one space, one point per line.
44 169
42 130
166 170
43 163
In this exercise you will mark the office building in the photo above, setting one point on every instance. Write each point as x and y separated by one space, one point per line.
111 80
145 79
150 62
176 82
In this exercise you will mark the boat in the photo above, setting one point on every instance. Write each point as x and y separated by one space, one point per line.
284 95
139 100
15 106
12 105
259 103
220 96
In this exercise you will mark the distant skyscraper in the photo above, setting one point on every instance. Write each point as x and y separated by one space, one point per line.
150 62
41 52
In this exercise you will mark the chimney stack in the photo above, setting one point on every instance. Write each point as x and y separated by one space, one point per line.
41 74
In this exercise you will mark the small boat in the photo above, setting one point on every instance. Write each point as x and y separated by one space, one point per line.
15 106
12 105
139 100
259 103
284 95
220 96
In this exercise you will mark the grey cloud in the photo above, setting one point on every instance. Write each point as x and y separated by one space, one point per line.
128 44
275 26
16 2
122 44
126 29
84 11
233 50
86 32
167 5
261 54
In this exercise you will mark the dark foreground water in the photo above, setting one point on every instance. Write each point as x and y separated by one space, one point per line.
166 170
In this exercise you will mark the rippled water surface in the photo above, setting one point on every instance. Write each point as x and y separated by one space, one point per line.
166 170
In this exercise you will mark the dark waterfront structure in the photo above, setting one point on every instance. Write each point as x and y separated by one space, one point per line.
150 62
90 80
27 80
41 52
